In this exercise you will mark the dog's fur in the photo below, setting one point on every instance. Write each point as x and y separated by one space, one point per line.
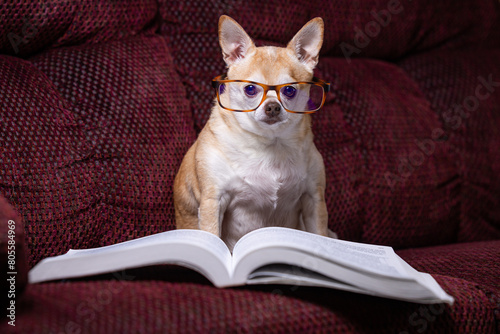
249 170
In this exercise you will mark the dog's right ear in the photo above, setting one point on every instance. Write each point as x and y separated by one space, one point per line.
234 41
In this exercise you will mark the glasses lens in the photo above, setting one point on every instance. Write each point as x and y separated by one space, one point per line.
240 95
302 97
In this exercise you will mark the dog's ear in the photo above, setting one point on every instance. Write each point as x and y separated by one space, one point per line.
234 41
307 42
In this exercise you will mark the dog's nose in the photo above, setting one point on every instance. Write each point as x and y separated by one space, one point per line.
272 109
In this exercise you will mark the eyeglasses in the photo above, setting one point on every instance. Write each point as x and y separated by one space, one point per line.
295 97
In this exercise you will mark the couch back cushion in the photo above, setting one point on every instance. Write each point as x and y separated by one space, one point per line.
32 26
95 135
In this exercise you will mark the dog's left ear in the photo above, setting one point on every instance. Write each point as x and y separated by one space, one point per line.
308 41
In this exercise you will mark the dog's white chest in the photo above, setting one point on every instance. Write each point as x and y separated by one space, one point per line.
260 194
260 187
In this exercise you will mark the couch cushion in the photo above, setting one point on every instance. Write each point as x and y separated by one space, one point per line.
12 254
475 262
381 120
32 26
95 137
111 306
463 89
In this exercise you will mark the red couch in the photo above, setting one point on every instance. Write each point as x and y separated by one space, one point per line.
99 101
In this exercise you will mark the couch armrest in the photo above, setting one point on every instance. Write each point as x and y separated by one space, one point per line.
13 262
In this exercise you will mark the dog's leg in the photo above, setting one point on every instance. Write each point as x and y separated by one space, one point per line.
186 205
213 205
205 214
211 213
314 212
186 221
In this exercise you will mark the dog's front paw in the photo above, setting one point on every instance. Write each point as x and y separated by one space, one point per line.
332 234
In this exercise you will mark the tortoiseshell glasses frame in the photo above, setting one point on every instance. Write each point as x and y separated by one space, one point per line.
218 82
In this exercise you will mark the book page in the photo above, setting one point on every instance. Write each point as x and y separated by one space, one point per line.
280 273
198 237
373 259
351 266
195 249
287 274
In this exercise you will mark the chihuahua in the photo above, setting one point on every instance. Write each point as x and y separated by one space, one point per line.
254 163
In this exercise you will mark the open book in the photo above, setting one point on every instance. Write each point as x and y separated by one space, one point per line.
271 255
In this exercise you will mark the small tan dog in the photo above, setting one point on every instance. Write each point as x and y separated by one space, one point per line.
259 167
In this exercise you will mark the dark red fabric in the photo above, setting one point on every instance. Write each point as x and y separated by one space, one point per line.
403 26
464 92
136 306
476 262
13 261
28 27
96 117
388 199
92 155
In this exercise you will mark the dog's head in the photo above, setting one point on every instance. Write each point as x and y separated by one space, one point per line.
270 66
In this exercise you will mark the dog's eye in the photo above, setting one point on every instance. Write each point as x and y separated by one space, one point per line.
250 90
289 91
222 88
